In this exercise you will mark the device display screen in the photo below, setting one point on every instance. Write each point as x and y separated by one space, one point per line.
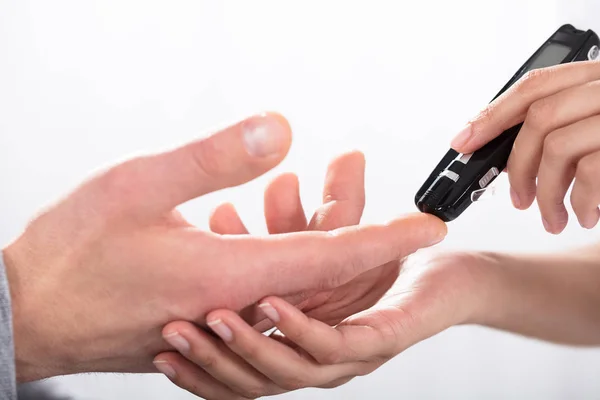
552 54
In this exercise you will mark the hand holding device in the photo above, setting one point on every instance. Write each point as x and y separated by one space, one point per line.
481 152
559 141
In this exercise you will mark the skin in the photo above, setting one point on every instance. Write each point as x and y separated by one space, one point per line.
343 204
95 277
558 144
552 297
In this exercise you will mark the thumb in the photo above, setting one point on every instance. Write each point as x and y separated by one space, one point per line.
229 157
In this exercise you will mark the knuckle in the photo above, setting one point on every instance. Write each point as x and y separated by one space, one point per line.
248 350
294 382
299 335
533 79
367 367
207 158
331 357
207 361
254 392
338 382
118 181
556 146
540 114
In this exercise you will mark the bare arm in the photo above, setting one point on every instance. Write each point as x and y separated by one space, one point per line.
553 297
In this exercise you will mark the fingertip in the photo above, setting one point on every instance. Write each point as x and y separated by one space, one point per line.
267 137
282 193
353 159
167 357
283 206
554 228
270 311
426 222
522 188
285 311
225 220
460 141
174 327
358 155
280 118
164 365
218 315
286 128
283 182
353 156
526 199
277 302
222 210
590 220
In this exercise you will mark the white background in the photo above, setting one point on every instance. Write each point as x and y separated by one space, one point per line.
85 83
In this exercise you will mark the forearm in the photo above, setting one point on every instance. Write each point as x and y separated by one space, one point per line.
553 297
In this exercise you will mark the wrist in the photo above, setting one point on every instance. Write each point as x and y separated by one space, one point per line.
33 358
486 289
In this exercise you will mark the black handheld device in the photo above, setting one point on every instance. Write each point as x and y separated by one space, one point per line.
459 179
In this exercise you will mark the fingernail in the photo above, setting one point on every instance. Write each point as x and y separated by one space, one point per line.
462 138
270 312
165 368
515 198
221 329
264 135
178 341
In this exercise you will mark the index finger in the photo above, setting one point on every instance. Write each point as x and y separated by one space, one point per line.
511 107
296 262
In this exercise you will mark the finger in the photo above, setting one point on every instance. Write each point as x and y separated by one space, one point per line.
225 220
543 117
283 208
343 194
585 196
326 260
324 343
562 149
193 379
511 107
284 366
235 155
213 356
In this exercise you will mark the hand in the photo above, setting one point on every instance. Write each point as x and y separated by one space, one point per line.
434 291
343 204
559 141
95 277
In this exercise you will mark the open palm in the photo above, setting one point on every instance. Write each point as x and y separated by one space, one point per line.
434 291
